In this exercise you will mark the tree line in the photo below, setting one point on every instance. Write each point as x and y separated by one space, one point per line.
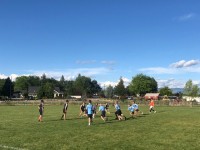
86 87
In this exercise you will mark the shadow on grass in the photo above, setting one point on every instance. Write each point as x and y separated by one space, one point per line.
145 114
68 119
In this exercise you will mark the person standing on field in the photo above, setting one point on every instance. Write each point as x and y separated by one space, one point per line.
136 108
103 112
131 110
118 112
151 106
107 108
41 110
82 110
89 109
65 110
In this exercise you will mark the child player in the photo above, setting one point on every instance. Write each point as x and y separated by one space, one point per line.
118 112
89 112
107 108
103 112
41 110
94 109
131 110
65 110
136 108
82 110
151 106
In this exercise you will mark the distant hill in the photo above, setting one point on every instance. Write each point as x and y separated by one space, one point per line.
176 90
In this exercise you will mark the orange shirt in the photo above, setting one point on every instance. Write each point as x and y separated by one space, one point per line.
151 103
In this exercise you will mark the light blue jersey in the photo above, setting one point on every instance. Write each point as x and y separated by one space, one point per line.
131 109
102 108
135 106
89 109
117 107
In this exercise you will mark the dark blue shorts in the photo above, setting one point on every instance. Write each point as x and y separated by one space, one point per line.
41 112
90 116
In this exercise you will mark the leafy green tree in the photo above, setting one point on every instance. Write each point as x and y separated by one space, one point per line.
2 82
165 91
195 91
34 81
62 80
109 91
43 79
62 83
95 88
128 92
21 83
190 89
120 88
8 88
69 88
142 84
82 85
85 87
49 90
46 91
41 93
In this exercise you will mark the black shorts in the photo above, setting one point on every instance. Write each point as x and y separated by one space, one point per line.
118 112
64 110
132 113
103 113
41 112
86 111
90 116
94 112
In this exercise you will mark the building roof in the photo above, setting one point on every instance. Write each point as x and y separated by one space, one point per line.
33 89
152 94
57 90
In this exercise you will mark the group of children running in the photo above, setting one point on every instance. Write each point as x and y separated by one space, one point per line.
90 110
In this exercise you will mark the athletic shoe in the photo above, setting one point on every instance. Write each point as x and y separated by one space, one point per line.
154 111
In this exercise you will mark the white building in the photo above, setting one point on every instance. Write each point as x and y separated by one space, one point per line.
189 98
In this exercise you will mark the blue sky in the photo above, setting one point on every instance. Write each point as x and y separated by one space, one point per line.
102 39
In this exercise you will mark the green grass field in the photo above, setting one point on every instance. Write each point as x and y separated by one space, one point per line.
170 128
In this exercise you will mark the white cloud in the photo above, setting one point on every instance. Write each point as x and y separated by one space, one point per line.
69 74
12 76
113 84
187 17
3 76
183 63
85 61
108 83
158 70
180 67
178 64
126 80
108 62
171 83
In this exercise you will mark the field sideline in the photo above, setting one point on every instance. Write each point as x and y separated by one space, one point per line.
169 128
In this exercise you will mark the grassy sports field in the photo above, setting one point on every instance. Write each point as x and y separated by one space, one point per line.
170 128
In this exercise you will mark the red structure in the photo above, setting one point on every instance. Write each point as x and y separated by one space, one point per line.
153 96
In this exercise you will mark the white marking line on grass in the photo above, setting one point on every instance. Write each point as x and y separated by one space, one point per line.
13 148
